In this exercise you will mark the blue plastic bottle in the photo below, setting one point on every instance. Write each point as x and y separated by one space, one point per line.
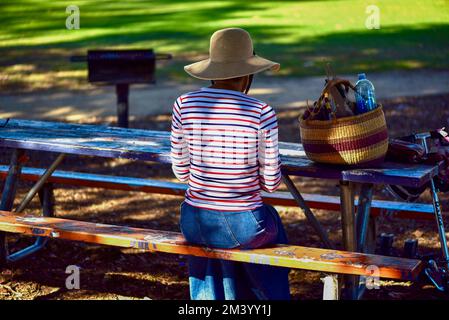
365 97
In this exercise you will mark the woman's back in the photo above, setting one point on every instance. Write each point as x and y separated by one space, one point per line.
224 143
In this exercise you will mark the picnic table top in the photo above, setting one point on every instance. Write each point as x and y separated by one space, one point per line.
137 144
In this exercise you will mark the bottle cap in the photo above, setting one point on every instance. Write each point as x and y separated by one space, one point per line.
362 76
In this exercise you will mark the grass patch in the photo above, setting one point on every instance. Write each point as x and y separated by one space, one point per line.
298 34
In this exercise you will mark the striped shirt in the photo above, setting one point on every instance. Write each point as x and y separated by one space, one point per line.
225 144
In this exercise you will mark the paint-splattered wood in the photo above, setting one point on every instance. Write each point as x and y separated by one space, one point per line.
138 144
91 140
171 242
314 201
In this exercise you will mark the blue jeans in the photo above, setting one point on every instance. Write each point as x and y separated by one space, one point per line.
213 279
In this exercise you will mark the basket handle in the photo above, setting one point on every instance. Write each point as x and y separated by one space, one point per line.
335 82
326 90
316 108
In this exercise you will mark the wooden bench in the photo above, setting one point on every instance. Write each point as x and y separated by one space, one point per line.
379 207
297 257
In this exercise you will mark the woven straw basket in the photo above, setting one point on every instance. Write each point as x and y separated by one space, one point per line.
359 140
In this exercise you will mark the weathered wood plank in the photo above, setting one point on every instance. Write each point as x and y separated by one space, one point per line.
149 145
91 140
396 174
314 201
171 242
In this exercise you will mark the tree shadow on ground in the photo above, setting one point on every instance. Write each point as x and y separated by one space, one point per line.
391 47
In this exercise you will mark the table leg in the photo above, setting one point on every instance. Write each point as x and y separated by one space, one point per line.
365 225
8 195
363 215
47 199
309 214
349 234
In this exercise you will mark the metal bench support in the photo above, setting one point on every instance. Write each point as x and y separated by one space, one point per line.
47 202
7 202
366 230
309 214
39 183
363 215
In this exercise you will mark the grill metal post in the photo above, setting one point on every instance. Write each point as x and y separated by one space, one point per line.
122 91
121 67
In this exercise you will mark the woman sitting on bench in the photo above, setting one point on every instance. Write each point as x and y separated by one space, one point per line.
224 143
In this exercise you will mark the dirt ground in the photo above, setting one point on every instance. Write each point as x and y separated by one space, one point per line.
114 273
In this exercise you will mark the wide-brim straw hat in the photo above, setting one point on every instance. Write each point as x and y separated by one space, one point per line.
231 55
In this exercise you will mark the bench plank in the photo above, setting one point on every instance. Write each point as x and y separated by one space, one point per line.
396 209
297 257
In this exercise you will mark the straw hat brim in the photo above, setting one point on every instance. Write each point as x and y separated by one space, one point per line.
212 70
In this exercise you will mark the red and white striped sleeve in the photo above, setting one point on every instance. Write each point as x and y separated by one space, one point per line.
268 152
179 152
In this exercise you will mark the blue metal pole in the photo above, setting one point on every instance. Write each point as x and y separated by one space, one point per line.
363 215
8 195
38 244
47 202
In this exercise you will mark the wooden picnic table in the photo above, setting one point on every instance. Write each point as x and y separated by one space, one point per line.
146 145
